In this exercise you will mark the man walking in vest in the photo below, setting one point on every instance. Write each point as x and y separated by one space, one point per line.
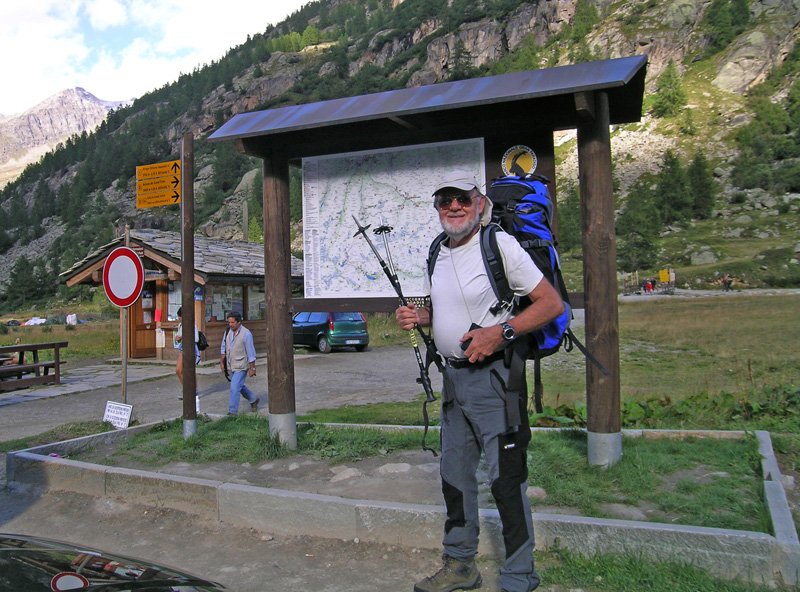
238 350
474 418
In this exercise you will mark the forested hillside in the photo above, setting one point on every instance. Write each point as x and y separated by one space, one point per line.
718 141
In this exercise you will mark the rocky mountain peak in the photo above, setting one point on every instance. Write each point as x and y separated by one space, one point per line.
25 137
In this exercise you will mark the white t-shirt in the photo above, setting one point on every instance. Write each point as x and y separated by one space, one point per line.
179 333
461 293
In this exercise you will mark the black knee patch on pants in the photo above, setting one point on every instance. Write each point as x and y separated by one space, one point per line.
507 490
454 501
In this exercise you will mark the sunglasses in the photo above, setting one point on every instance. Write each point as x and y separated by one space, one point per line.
445 201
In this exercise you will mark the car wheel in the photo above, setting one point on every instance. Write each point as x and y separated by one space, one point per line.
361 348
323 346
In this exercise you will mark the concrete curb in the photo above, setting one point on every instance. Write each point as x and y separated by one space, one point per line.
749 556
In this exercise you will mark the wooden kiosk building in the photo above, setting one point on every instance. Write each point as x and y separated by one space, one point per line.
522 108
228 276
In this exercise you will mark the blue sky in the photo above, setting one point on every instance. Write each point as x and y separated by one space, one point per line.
118 49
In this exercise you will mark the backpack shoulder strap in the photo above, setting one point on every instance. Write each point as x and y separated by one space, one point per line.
495 269
433 253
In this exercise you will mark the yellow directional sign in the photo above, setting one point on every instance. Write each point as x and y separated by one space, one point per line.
163 198
158 184
160 169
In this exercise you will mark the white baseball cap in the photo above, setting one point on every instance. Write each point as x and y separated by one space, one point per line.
457 180
464 182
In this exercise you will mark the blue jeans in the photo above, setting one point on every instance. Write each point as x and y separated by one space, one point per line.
238 387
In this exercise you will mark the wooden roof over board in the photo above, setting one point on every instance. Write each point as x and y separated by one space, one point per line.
536 100
215 260
589 97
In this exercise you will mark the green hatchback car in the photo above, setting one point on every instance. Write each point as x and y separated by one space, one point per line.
326 330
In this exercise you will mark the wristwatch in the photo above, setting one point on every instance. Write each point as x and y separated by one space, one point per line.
508 332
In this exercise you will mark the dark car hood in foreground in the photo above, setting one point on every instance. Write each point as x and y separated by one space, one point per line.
32 564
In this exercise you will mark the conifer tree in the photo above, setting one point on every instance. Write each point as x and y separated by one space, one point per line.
701 185
462 62
21 286
569 220
718 19
740 15
637 228
672 195
670 97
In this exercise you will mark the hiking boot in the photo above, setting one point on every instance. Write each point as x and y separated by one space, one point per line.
454 575
254 405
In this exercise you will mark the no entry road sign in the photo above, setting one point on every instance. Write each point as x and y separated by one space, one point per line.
123 277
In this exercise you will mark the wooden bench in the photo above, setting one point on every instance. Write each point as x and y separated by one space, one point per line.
28 370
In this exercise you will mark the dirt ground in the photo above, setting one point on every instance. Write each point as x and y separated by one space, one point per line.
242 559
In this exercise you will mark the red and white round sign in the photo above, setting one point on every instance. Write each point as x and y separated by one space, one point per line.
123 276
68 581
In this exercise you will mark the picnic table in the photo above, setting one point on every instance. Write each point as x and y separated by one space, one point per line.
20 366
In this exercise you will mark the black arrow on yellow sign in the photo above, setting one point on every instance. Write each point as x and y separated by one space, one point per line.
163 198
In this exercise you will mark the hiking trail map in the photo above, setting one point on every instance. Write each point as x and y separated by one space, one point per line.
379 187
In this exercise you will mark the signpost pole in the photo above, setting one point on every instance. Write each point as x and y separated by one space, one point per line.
125 334
187 289
123 279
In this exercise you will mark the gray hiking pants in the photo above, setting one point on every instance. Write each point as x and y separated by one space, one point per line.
473 420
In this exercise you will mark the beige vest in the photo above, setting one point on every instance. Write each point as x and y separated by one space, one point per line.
235 351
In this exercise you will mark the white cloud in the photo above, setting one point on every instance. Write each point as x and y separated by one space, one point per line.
57 41
40 42
106 13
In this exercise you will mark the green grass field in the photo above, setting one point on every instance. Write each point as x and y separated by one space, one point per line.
716 363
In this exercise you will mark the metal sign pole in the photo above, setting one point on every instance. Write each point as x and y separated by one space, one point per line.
125 334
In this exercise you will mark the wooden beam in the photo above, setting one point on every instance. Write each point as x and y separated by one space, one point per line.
599 269
277 296
86 274
402 122
173 269
584 106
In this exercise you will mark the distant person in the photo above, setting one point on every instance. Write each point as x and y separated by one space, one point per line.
239 353
179 346
726 283
470 334
15 358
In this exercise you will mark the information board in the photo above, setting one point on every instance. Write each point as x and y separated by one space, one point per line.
379 187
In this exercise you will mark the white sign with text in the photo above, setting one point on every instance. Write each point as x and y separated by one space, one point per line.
118 414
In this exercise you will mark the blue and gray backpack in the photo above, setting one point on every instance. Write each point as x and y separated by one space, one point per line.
522 207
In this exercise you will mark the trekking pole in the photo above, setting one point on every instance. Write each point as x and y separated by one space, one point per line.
424 377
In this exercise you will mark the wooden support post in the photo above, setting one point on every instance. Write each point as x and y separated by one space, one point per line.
600 282
277 296
187 288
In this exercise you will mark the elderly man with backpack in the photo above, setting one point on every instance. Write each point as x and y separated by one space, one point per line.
479 414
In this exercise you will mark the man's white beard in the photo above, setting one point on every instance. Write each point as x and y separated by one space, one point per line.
456 234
